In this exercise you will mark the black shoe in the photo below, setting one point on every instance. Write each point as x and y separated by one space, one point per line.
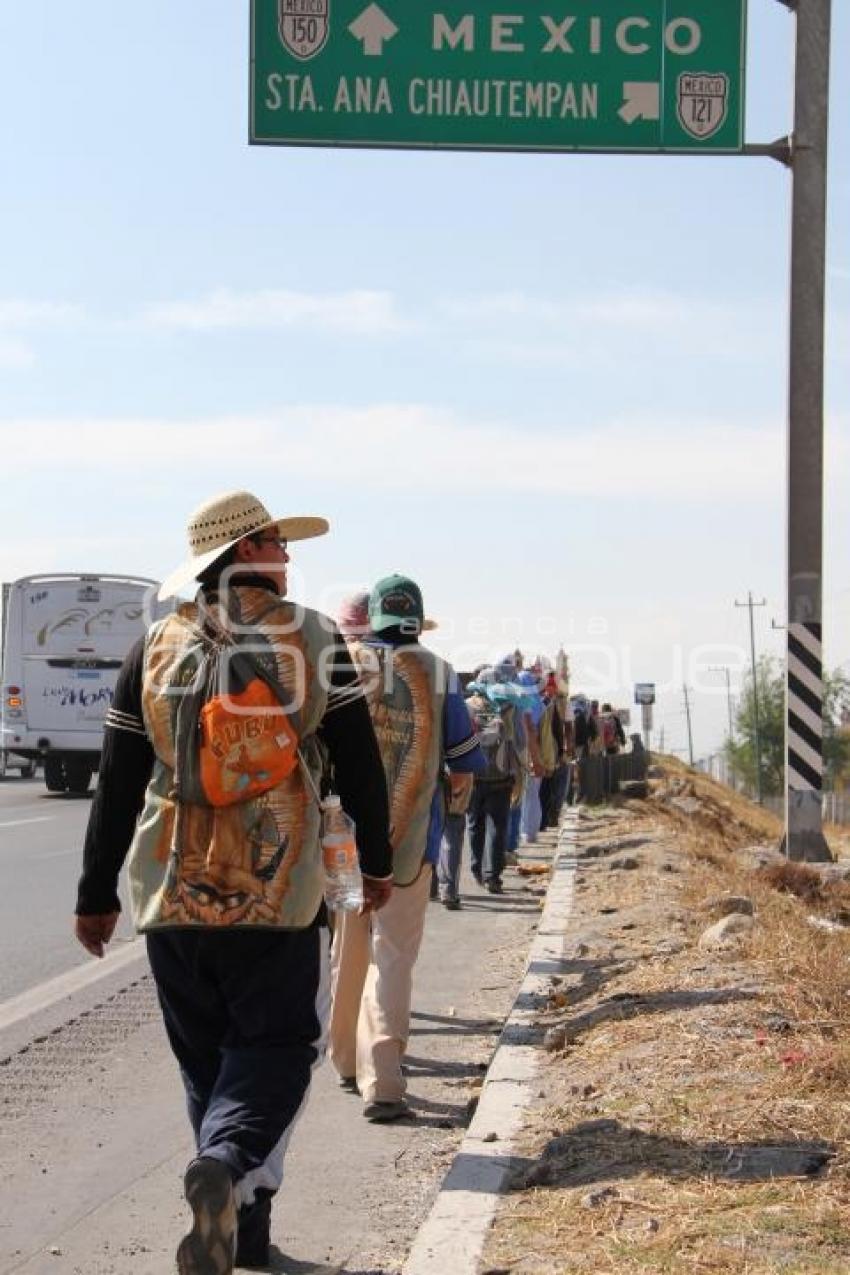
476 875
349 1084
209 1248
253 1236
494 886
382 1112
452 904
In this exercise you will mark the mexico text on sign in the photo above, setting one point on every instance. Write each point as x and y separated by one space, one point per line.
594 75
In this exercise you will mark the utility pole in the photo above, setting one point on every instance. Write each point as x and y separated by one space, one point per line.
661 741
804 837
688 715
750 604
724 668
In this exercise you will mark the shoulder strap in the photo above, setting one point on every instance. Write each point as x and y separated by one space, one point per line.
223 636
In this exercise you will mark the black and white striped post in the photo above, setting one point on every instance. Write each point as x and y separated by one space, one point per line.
805 708
804 838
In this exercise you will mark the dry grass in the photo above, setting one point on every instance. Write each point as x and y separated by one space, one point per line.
805 970
838 839
729 818
794 878
754 1231
696 1060
756 822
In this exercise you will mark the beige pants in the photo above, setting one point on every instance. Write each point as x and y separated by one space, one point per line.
372 970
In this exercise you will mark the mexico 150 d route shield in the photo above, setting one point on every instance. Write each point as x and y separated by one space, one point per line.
558 75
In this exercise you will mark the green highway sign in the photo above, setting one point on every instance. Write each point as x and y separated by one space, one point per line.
551 75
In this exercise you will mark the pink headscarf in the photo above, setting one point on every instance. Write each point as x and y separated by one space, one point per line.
353 614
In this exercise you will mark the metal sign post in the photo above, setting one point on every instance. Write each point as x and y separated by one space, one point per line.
645 696
646 724
804 677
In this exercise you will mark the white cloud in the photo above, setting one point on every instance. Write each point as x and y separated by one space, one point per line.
606 328
626 308
671 461
360 312
15 355
513 324
643 310
28 314
17 315
493 307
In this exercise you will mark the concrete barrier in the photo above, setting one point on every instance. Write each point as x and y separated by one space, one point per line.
601 777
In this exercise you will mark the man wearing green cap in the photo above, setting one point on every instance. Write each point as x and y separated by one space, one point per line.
423 728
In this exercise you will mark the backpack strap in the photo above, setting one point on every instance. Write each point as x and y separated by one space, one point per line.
223 636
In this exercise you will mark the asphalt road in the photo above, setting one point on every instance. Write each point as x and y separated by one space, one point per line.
94 1140
41 838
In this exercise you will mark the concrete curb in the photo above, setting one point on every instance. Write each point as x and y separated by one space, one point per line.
453 1235
49 1006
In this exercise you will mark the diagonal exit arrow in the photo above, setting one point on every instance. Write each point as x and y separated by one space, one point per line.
374 28
641 101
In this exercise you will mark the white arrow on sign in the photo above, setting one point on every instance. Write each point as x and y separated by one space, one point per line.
641 101
374 28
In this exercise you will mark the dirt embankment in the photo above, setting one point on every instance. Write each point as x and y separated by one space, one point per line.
695 1104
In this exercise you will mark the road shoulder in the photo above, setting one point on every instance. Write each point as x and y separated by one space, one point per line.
95 1137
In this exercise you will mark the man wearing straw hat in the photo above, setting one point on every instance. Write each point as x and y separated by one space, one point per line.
230 895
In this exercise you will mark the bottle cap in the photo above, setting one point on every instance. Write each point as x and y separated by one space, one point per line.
331 802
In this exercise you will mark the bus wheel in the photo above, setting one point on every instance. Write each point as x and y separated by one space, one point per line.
54 774
77 776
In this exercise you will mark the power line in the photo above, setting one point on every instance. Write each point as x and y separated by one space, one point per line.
688 715
724 668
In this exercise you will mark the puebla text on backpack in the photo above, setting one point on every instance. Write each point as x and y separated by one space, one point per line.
236 735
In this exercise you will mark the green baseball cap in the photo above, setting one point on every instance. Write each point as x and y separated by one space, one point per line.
396 601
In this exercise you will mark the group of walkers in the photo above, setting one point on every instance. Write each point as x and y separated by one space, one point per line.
232 721
533 736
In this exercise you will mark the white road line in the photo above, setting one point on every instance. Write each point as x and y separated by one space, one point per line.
64 986
16 823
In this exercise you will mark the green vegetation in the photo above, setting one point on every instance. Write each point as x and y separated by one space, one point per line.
770 684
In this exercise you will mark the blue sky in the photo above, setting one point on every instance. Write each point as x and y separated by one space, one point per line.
553 388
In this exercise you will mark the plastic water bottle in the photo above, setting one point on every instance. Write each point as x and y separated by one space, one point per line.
343 882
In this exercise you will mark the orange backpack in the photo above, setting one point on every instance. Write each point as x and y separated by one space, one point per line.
236 733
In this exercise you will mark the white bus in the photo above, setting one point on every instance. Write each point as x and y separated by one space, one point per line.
64 640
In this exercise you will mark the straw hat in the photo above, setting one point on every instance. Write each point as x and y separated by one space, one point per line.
224 520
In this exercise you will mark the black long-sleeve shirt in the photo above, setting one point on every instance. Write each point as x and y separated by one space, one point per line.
127 763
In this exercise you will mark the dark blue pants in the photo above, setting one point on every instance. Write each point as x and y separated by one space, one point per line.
489 811
245 1012
553 792
514 821
451 849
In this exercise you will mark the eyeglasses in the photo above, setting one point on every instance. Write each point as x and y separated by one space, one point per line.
278 541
